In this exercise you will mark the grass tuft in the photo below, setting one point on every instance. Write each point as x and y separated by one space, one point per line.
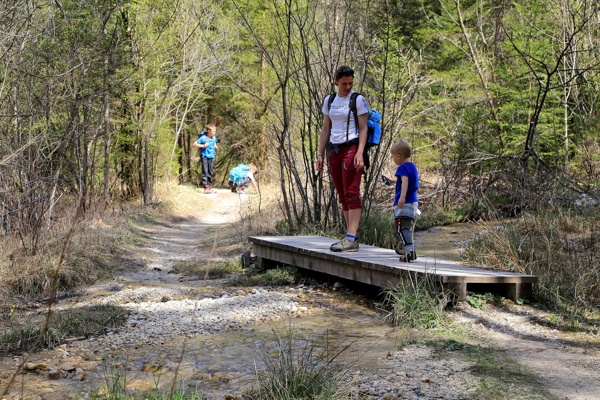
281 276
295 368
207 271
416 302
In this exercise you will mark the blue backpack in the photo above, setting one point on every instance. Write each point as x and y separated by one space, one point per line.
373 121
238 173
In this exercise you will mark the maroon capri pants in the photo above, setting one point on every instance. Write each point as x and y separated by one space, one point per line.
346 178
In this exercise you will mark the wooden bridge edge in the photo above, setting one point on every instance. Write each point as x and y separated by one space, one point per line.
268 255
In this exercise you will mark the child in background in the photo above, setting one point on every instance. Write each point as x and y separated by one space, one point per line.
405 200
208 145
241 177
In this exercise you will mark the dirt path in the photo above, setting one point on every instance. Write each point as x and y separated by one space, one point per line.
189 239
216 323
567 365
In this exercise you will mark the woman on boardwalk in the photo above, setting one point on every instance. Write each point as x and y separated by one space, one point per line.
346 144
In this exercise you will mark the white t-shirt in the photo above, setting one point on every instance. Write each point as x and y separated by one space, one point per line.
339 117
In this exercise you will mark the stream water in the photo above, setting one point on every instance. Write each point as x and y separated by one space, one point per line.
445 242
227 363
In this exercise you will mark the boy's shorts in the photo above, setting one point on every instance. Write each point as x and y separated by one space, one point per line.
410 210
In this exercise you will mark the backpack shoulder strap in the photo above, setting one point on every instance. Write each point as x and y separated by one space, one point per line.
353 109
353 98
330 100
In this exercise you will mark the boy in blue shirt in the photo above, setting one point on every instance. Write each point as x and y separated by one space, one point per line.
406 200
208 146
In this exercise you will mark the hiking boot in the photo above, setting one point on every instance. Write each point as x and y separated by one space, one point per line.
233 189
400 249
344 245
408 257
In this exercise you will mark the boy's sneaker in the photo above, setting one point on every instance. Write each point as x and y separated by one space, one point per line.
344 245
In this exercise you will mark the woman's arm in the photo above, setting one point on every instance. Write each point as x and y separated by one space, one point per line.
323 140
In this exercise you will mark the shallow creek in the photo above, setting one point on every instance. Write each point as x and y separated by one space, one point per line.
222 360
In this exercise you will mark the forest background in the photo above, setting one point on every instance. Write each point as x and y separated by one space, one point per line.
101 100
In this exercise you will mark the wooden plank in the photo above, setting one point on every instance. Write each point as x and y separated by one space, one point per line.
381 267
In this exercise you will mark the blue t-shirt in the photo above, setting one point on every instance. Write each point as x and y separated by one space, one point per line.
410 170
208 152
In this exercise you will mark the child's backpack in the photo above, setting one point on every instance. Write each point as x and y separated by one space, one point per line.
238 173
373 121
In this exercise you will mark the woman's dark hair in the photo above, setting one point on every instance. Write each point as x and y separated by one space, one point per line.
342 71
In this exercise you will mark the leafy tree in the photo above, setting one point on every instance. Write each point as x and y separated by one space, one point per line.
302 67
58 73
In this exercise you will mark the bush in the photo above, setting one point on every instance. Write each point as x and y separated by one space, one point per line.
562 249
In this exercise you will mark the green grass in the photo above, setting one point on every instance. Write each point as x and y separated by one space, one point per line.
499 376
415 302
280 276
378 229
480 300
115 386
27 334
28 338
204 270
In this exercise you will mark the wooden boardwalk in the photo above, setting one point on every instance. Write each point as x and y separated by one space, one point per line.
381 267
